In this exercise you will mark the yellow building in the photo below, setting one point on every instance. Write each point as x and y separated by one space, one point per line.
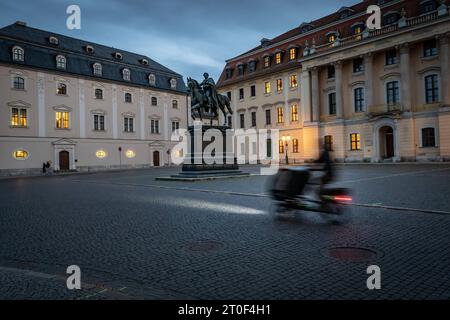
371 95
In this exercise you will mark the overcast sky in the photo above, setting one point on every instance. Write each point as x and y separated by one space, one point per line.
187 36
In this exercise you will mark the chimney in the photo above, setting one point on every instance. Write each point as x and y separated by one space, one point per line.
21 23
264 42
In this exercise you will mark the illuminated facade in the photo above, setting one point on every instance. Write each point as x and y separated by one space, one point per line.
370 95
83 106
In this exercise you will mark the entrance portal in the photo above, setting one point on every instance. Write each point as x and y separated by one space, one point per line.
387 148
156 159
64 164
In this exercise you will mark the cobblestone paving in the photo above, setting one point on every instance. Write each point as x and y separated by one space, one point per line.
136 238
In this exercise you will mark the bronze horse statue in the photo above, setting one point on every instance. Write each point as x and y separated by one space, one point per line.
200 106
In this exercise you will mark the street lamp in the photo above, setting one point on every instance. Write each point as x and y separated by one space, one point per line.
286 140
120 156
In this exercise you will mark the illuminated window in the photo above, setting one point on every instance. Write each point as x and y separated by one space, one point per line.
62 120
130 154
331 38
278 58
101 154
99 122
294 112
295 146
128 124
280 112
18 54
61 62
293 82
99 94
355 139
98 70
19 117
292 54
126 74
357 31
279 85
266 61
281 146
20 154
329 142
19 83
128 97
61 89
267 87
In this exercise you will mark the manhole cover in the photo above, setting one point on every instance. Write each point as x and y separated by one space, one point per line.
203 246
351 254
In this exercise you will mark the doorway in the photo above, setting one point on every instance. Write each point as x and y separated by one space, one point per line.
387 148
64 163
156 155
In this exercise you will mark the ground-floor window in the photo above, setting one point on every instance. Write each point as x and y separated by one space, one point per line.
295 146
428 137
269 148
281 146
355 140
328 140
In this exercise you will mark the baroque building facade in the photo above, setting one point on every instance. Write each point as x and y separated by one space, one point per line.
370 95
83 106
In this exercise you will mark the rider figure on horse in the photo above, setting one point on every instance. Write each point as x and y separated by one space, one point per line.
209 87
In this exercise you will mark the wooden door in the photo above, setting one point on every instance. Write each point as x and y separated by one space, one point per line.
64 164
156 162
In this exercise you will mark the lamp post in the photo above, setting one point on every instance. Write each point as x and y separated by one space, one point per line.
120 157
286 140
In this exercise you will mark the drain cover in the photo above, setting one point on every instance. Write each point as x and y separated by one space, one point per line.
351 254
203 246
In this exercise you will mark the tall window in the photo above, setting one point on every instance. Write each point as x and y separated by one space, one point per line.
128 124
154 126
391 57
358 65
229 95
268 117
252 66
331 72
278 58
19 83
154 101
428 6
99 94
62 120
295 146
175 126
241 69
266 61
329 142
432 88
393 92
293 83
126 73
242 121
61 62
358 30
355 139
228 73
128 97
253 91
99 122
269 148
18 54
280 112
294 112
281 146
61 89
241 94
331 38
253 119
267 87
174 104
292 54
359 99
430 48
428 138
19 118
98 70
332 104
279 85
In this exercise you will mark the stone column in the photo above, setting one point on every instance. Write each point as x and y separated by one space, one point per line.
405 77
339 99
114 112
142 114
445 69
306 96
315 95
368 60
82 108
41 104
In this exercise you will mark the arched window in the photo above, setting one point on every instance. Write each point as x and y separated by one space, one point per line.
98 70
128 97
99 94
61 89
18 54
19 83
61 62
126 74
175 104
154 101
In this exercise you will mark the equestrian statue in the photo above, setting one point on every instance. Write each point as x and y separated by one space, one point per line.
205 101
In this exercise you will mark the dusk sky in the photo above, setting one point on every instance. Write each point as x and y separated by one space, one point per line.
188 36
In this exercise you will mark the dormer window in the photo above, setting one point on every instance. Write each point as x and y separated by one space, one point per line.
173 83
61 62
252 66
331 37
152 79
126 74
90 49
266 61
306 27
278 58
18 54
358 30
345 13
118 55
292 54
53 40
98 70
144 62
228 73
391 18
428 6
241 69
